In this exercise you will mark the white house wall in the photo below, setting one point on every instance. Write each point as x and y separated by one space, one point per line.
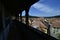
52 32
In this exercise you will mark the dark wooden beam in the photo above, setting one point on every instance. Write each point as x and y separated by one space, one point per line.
27 15
21 16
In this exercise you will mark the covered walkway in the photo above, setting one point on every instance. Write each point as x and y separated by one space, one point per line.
16 30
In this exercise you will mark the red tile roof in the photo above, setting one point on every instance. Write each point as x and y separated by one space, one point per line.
56 23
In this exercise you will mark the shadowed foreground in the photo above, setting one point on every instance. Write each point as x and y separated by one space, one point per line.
19 31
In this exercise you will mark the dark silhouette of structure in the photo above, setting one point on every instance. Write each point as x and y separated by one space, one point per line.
17 30
1 21
20 31
15 6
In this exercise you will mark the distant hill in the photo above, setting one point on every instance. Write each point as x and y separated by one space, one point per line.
58 16
32 16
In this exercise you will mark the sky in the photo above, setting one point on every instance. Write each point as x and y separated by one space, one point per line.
45 8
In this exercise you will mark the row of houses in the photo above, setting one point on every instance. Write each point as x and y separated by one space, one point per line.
40 24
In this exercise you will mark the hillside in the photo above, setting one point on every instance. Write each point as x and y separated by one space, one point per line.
32 16
58 16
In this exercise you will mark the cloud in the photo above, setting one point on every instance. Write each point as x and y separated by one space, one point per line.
45 8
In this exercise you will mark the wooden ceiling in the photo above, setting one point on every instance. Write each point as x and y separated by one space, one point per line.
17 5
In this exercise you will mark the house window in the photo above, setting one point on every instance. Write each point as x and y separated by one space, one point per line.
54 30
57 29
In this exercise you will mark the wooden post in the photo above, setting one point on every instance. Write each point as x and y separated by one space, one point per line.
1 25
3 16
21 16
48 30
27 15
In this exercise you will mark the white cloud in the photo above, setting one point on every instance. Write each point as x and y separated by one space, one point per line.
45 8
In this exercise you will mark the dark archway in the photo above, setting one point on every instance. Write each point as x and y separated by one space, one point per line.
18 5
